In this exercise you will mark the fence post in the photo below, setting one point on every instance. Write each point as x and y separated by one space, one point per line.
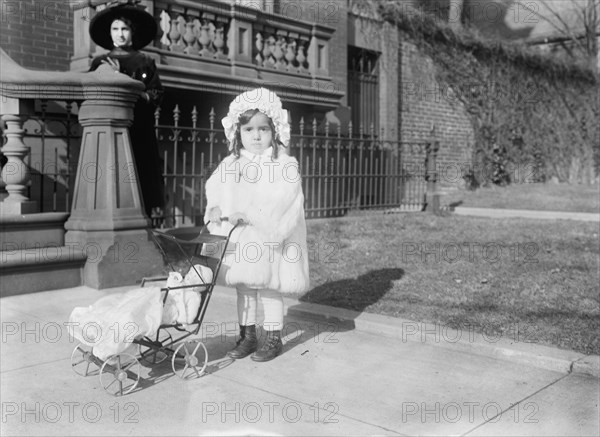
432 197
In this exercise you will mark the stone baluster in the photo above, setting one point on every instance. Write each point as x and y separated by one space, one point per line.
269 47
211 35
189 37
197 28
301 55
278 52
165 27
15 172
259 48
175 35
219 41
290 53
204 38
210 31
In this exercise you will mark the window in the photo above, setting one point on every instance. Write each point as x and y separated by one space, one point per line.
363 89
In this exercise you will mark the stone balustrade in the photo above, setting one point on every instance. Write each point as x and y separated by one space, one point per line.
222 45
107 210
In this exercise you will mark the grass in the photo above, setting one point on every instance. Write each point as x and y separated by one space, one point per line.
491 275
546 197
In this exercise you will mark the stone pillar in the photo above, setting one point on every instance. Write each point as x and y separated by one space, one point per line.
107 217
432 197
15 173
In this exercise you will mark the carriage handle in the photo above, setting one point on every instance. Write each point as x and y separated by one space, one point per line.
240 222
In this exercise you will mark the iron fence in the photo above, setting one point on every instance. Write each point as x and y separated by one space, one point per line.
53 135
341 171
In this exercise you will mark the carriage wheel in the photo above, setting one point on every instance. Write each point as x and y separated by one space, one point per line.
81 358
186 361
156 354
120 374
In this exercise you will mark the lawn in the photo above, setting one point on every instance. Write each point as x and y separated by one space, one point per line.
490 275
547 197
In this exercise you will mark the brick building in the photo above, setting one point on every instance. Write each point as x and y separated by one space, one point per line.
360 98
331 61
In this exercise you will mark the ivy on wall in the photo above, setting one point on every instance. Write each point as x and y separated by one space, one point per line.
528 110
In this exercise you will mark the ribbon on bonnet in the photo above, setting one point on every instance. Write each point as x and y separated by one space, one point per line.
265 101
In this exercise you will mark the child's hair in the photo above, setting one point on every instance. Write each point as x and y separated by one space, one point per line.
245 117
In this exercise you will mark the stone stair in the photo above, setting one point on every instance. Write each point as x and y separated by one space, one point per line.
34 257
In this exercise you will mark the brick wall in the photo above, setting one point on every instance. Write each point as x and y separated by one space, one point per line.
424 103
335 14
37 34
389 81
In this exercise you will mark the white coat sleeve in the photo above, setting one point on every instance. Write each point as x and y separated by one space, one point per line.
214 189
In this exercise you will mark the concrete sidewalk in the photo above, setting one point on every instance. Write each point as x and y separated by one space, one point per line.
342 373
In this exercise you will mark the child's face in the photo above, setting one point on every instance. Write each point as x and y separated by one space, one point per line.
256 134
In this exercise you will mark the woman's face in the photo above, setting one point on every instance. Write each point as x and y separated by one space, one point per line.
120 33
256 135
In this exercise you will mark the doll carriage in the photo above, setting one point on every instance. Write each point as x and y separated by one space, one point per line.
154 322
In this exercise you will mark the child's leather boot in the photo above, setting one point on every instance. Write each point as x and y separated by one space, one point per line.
247 343
273 347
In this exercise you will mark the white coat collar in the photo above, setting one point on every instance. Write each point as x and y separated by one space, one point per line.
258 157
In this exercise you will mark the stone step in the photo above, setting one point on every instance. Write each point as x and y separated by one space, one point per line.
40 269
26 231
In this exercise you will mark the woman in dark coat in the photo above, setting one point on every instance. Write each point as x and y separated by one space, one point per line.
124 29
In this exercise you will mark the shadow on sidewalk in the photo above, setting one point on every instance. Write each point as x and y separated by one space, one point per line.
303 327
347 294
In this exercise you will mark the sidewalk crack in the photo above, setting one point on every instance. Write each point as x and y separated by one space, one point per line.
516 404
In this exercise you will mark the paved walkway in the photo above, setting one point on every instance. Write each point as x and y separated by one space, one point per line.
524 213
342 373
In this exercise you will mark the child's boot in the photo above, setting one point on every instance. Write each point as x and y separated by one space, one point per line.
247 343
273 347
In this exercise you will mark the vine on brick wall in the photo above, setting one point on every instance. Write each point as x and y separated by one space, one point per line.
530 113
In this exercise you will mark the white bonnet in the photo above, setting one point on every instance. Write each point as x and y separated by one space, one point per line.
265 101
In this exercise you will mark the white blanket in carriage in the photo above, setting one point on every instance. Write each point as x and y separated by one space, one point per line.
182 304
111 323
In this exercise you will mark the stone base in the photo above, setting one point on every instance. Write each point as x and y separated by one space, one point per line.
40 269
117 258
18 208
26 231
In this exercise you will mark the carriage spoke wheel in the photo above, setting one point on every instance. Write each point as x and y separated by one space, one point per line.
158 353
120 374
190 359
81 358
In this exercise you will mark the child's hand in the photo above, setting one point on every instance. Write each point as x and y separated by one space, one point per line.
214 215
238 217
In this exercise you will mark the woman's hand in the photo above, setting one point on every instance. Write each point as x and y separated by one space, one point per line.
214 215
114 63
238 218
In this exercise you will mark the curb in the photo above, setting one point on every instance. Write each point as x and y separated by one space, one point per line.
526 213
515 350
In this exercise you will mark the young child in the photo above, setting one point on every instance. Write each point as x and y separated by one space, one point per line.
259 186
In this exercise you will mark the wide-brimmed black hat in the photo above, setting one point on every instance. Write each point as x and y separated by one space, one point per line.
144 31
